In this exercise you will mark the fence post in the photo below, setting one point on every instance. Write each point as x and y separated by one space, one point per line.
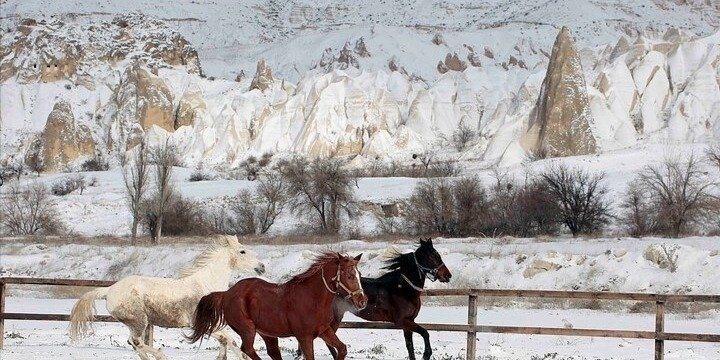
659 328
149 335
2 314
472 321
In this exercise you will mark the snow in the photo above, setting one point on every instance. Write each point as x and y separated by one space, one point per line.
610 264
34 339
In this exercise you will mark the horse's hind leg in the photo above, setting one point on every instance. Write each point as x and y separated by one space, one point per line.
227 342
247 335
273 349
137 331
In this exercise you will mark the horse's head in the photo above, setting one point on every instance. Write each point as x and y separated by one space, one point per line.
348 281
242 258
430 262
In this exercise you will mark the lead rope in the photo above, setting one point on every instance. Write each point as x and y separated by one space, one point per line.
415 287
322 275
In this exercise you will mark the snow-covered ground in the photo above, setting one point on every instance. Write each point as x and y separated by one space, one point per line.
42 340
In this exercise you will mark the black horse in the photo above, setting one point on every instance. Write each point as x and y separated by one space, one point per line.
395 296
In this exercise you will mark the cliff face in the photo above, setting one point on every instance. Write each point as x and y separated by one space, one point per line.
562 115
133 79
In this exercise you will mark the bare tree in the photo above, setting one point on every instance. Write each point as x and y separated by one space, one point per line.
680 193
29 210
272 191
135 176
163 157
470 203
581 196
321 186
639 216
35 162
713 155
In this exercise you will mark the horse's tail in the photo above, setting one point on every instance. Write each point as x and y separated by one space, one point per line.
83 313
208 316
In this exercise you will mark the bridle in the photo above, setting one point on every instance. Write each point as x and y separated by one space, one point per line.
424 271
339 285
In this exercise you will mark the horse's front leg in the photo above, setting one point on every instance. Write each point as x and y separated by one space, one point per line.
409 344
409 327
334 343
306 345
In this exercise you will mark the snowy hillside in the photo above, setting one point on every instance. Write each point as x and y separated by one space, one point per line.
386 81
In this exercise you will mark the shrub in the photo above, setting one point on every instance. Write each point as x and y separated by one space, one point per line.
446 207
29 210
252 212
68 184
463 136
97 163
200 175
581 197
181 217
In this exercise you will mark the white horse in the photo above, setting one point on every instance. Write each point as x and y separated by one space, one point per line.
140 302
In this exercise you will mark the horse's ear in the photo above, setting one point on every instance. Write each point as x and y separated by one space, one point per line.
357 258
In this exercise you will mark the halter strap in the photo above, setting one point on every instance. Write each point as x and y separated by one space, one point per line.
415 287
425 271
339 284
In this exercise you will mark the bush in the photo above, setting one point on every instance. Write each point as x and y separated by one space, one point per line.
97 163
9 170
29 210
581 197
463 136
455 208
536 213
521 210
182 217
68 184
252 212
200 175
251 167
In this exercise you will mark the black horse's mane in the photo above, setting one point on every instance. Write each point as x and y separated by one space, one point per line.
397 263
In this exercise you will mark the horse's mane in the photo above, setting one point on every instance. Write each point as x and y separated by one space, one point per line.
320 261
201 260
397 261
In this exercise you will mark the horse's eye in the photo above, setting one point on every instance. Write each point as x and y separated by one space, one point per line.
242 252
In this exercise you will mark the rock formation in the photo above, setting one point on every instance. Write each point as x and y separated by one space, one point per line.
562 115
263 76
63 140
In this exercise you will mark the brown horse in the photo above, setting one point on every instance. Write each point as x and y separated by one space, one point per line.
301 307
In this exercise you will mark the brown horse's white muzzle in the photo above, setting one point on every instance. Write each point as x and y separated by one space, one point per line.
360 300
